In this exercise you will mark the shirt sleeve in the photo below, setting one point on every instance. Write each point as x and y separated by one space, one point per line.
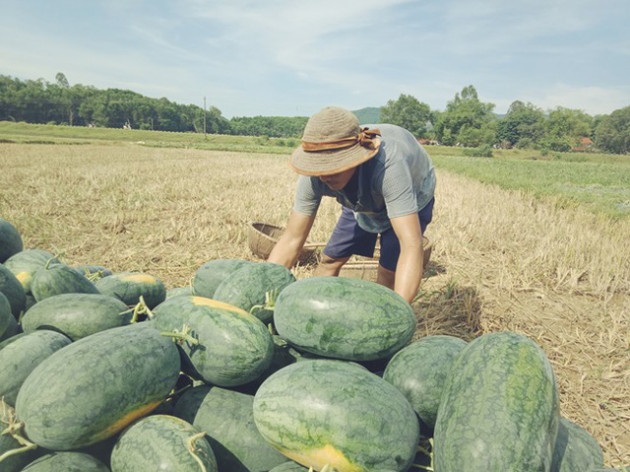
398 190
307 196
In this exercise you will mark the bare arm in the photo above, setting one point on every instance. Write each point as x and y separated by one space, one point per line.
409 267
288 247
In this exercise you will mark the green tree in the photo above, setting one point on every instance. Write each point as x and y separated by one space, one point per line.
522 126
408 113
564 128
467 121
613 132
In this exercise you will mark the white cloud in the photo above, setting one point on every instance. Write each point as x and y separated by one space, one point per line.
593 100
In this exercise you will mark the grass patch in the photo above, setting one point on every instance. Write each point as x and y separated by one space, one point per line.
600 184
54 134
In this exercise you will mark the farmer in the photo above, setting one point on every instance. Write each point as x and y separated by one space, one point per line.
384 181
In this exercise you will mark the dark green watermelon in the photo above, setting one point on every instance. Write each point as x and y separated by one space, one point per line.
174 292
77 315
250 286
130 286
323 411
25 263
233 347
227 417
499 409
10 240
18 359
8 324
11 287
575 449
419 371
66 462
96 386
289 467
344 318
162 442
210 275
93 272
57 279
15 462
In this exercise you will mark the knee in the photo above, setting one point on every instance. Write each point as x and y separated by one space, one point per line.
329 266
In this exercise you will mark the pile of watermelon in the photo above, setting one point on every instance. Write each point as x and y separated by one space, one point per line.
249 369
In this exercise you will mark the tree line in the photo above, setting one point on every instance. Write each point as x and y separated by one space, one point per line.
469 122
39 101
466 121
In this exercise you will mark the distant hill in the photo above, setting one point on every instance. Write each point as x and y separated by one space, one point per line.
368 114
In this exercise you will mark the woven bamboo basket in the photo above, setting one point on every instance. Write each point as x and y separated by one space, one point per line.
366 268
262 237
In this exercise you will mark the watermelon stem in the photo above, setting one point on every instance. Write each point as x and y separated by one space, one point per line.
180 337
141 308
192 448
14 429
270 302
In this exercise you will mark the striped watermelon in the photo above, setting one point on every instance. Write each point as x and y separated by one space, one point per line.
344 318
329 412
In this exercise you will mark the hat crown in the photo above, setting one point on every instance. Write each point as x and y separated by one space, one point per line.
329 124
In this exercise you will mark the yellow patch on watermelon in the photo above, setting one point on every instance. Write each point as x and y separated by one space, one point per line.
24 278
203 301
140 278
327 455
127 419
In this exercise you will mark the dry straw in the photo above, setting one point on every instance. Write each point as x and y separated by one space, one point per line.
501 260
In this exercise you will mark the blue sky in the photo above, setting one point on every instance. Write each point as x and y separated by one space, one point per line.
292 57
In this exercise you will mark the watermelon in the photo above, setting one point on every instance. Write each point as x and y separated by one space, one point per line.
173 292
25 263
344 318
210 275
227 417
325 411
10 240
93 388
130 286
67 462
77 315
289 467
251 285
93 272
5 342
499 408
162 442
8 325
233 347
18 461
419 371
59 278
11 287
19 358
575 449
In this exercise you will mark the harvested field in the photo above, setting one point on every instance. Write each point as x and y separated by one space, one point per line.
501 260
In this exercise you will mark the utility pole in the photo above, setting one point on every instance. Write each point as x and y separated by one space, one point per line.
205 136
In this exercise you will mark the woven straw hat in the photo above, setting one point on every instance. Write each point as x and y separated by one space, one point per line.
334 142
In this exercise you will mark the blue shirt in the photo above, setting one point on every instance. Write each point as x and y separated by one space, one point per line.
398 181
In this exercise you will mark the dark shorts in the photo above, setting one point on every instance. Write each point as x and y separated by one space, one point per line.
348 238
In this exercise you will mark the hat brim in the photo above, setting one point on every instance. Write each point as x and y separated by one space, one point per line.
318 163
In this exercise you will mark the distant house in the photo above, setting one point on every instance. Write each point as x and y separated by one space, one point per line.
427 142
584 144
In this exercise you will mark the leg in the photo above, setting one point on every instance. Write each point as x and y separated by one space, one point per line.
390 249
385 277
329 266
347 239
